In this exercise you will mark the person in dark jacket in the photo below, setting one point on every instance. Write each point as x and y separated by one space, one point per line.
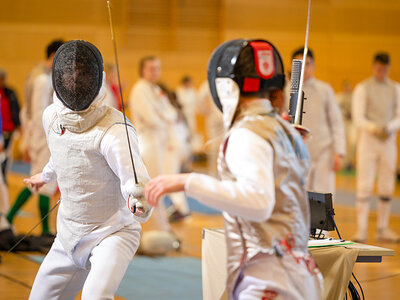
10 117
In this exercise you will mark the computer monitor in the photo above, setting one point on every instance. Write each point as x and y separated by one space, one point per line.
321 211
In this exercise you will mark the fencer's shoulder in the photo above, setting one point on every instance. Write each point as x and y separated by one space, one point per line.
139 90
49 114
115 121
393 83
42 79
141 85
323 85
361 87
49 110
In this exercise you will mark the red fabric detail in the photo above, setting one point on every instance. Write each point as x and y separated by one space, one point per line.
6 115
264 59
225 146
285 116
115 91
269 295
251 84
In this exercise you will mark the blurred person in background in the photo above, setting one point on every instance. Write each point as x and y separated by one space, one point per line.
344 100
214 126
152 115
376 113
187 98
6 232
10 118
327 145
178 156
112 96
38 95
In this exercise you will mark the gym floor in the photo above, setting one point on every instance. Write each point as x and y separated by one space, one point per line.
379 280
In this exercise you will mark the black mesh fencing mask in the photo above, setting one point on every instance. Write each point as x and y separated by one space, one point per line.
77 74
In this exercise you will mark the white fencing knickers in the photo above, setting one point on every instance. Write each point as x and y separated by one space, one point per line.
280 278
59 278
375 157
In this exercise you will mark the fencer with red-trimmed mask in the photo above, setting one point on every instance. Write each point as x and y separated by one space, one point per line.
376 113
98 222
263 166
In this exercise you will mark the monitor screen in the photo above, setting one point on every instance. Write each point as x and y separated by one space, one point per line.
321 209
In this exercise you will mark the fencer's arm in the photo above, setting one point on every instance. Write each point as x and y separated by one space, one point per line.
114 148
335 121
394 124
359 102
38 180
252 195
48 172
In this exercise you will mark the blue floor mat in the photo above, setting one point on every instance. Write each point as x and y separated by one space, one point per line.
21 168
166 278
195 206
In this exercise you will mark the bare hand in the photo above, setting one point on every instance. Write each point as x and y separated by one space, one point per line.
162 185
35 182
337 162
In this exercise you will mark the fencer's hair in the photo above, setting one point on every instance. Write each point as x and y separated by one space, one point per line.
52 47
143 62
382 58
186 79
300 51
3 73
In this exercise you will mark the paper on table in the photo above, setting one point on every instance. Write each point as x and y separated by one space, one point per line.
327 243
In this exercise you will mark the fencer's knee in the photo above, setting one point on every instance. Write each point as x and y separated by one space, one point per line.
384 199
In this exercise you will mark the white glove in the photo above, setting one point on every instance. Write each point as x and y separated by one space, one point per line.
137 204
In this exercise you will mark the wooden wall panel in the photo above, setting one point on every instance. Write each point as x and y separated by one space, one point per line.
344 34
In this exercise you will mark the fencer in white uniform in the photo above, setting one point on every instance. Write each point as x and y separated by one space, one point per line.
263 165
153 117
327 145
376 113
97 234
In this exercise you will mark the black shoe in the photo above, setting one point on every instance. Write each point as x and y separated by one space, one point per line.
46 240
6 239
177 216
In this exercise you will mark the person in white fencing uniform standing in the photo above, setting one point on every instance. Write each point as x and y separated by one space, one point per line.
153 117
327 145
98 227
376 113
263 166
